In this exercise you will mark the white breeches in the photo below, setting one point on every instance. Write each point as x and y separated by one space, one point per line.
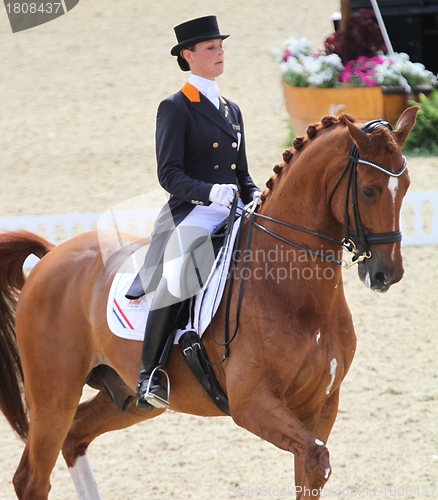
200 222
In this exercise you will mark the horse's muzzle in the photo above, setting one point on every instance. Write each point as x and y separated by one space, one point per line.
379 277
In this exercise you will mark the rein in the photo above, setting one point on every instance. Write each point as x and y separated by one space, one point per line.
247 213
323 256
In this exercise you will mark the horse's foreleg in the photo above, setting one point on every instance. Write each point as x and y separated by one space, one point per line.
320 425
268 417
83 479
93 418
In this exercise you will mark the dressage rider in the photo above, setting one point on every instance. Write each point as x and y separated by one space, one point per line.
201 158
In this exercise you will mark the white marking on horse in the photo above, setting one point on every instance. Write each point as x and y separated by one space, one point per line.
367 280
83 479
393 188
318 336
319 442
333 366
327 473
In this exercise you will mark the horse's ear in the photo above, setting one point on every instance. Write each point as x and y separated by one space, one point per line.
404 125
360 137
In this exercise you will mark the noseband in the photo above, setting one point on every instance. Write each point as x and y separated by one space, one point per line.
355 241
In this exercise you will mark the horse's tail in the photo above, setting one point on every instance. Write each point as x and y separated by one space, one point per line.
15 247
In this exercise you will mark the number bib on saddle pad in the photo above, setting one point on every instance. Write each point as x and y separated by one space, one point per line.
127 318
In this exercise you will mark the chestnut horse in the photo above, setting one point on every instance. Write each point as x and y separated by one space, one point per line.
340 187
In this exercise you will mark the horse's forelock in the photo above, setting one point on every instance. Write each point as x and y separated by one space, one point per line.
298 144
388 139
385 140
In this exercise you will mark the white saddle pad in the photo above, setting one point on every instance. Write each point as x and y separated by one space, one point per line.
127 318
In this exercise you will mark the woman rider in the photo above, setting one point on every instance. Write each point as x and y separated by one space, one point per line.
202 162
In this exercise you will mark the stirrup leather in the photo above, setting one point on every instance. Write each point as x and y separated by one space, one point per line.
153 399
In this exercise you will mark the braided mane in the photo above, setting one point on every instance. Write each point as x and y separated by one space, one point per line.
298 144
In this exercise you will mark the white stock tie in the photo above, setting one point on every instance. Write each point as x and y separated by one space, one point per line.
213 94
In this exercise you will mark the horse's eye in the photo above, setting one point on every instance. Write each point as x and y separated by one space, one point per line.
369 192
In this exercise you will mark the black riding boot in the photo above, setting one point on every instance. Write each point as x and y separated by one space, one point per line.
150 391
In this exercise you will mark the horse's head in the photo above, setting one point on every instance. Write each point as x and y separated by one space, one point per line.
344 183
376 181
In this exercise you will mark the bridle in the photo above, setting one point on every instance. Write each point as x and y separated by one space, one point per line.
356 241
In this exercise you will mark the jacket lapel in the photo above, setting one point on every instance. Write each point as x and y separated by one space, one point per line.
206 108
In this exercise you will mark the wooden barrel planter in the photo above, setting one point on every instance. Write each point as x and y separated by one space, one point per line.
306 105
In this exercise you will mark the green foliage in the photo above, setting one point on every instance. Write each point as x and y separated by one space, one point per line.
423 139
287 143
296 79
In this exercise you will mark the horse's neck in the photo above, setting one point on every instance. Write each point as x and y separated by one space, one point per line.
300 199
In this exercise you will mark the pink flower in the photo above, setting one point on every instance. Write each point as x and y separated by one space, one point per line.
377 60
286 55
361 71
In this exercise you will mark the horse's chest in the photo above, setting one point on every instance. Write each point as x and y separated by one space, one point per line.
316 377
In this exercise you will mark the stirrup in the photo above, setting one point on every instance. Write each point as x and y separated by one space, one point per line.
153 399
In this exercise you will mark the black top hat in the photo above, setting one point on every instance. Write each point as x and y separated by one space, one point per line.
195 31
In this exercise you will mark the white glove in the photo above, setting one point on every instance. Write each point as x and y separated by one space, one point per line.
223 194
256 195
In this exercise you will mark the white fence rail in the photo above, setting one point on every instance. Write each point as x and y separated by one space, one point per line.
57 228
419 221
419 218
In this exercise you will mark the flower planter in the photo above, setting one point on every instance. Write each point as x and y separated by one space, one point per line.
395 101
420 89
307 105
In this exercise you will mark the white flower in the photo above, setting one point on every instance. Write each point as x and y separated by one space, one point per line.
318 79
401 56
292 65
297 47
311 64
407 73
388 74
335 61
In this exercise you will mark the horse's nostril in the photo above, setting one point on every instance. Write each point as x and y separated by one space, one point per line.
382 278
